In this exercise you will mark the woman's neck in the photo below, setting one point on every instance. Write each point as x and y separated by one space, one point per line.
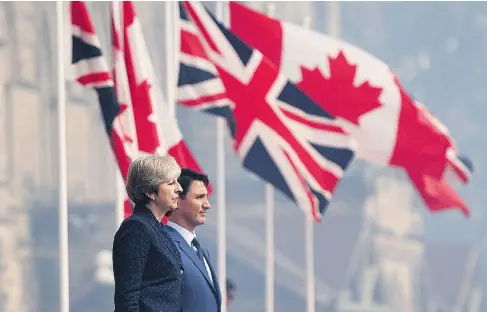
156 211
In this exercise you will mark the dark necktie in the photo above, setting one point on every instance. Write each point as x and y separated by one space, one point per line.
197 245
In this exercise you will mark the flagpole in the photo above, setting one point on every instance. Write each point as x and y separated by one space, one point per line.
176 47
119 204
120 200
269 297
62 163
270 221
333 25
309 252
170 68
309 239
222 15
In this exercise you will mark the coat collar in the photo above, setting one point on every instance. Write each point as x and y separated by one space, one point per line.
159 227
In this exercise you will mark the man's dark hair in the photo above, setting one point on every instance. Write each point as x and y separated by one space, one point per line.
187 177
231 285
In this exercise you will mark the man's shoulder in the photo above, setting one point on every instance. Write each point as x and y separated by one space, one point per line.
175 235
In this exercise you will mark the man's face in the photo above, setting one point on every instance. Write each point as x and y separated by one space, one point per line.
194 205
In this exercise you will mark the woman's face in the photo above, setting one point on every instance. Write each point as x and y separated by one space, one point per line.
168 195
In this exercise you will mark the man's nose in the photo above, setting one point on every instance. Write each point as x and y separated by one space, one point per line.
206 204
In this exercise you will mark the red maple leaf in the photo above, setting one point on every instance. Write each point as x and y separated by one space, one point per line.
124 134
147 136
337 95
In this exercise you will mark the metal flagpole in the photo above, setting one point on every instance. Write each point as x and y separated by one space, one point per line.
176 46
170 65
309 240
309 252
333 27
118 23
63 170
222 15
269 224
120 200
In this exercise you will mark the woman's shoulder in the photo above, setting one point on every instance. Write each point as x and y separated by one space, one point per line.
133 225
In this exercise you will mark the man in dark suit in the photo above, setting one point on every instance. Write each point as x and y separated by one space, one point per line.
231 289
147 266
201 289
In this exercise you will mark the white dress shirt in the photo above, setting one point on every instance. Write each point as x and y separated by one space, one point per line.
188 237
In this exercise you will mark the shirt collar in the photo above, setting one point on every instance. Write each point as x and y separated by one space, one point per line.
185 233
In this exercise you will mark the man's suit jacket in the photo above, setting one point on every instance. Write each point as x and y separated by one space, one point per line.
147 266
200 294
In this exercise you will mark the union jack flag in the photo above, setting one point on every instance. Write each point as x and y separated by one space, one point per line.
277 130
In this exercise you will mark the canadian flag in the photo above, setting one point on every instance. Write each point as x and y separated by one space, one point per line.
90 69
124 123
361 91
140 98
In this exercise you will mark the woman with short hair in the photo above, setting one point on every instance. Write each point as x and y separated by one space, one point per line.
147 266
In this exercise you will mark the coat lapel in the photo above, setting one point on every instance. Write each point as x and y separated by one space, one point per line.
214 277
191 253
160 230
